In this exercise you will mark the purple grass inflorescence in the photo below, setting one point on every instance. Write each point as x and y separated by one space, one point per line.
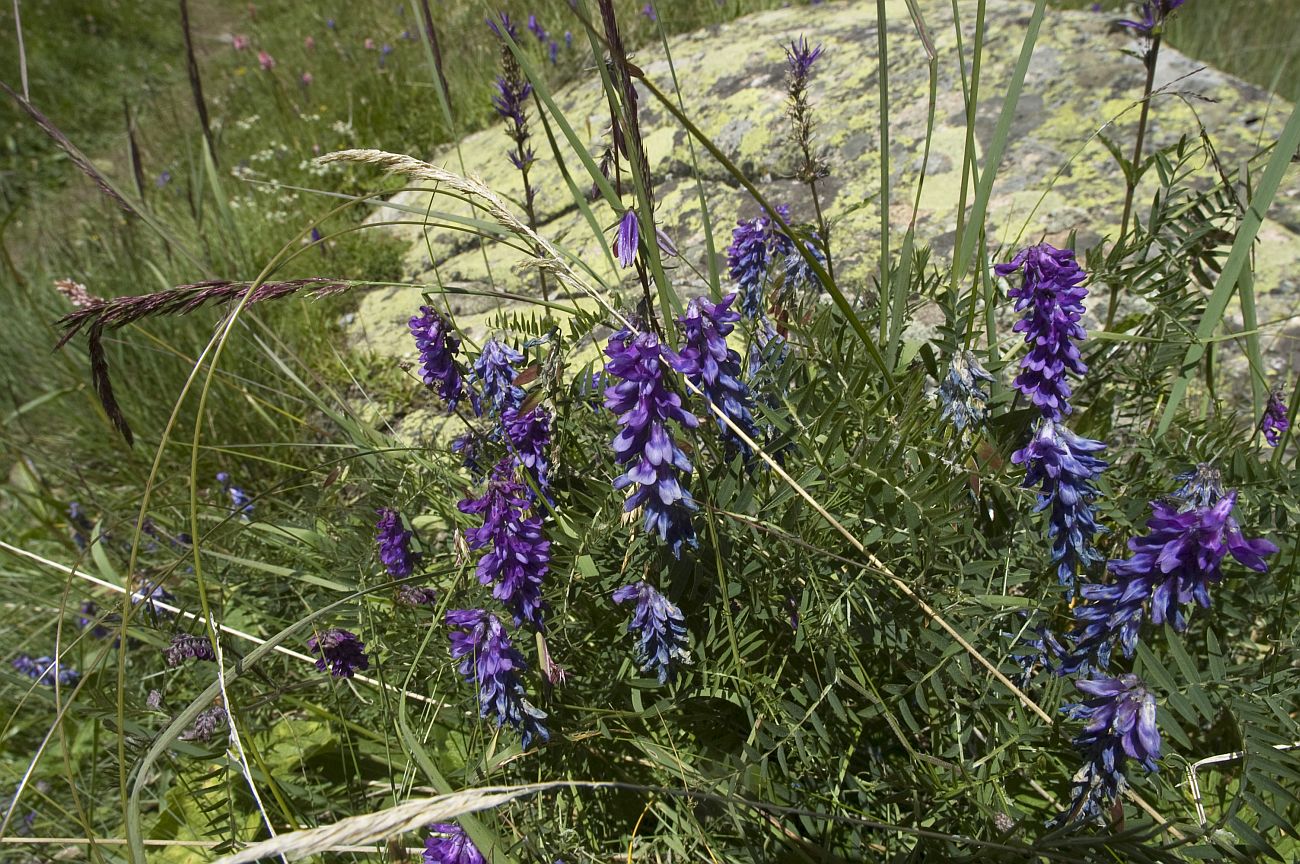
1120 725
710 365
341 652
438 346
394 544
640 396
1065 467
517 556
450 845
488 661
801 58
1051 298
185 647
660 629
1275 423
1154 13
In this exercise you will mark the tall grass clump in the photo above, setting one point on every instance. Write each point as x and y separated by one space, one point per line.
747 573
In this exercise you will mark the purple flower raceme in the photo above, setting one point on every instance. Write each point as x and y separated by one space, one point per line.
1120 725
438 346
1173 565
44 670
645 405
394 544
206 724
470 448
1064 467
341 652
962 393
798 274
627 238
1051 298
185 647
747 261
801 58
450 845
660 629
518 556
1202 487
502 24
529 435
535 27
710 365
240 502
413 595
495 371
1275 422
1154 13
488 661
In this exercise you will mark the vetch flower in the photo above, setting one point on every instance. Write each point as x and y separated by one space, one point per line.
627 238
1275 422
488 661
185 647
86 620
747 261
710 365
470 448
240 502
535 27
44 670
341 652
644 405
660 629
1154 13
798 273
529 435
648 10
517 556
495 371
1051 298
502 24
1202 487
962 394
394 544
1174 564
1120 725
449 844
437 345
412 595
206 724
1064 467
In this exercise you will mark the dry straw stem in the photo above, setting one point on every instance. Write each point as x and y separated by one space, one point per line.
373 827
231 631
496 207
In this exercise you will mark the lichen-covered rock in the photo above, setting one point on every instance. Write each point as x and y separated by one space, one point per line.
1057 176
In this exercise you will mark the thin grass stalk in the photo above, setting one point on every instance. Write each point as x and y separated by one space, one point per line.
970 94
997 147
22 50
882 75
196 82
1134 174
1238 258
133 151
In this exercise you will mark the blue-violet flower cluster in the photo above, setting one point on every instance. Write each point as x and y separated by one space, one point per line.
517 556
449 844
645 405
488 661
438 346
394 544
1275 422
340 651
495 372
44 670
710 365
660 629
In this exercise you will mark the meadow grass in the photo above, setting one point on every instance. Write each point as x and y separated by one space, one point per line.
898 548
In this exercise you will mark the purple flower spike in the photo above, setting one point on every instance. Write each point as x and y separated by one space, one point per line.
535 27
495 371
747 260
648 10
511 99
529 435
644 405
502 24
488 661
44 670
1064 466
1154 13
627 238
517 556
801 58
438 346
1052 301
962 393
394 544
660 628
450 845
341 652
185 647
1121 725
240 502
1275 422
710 365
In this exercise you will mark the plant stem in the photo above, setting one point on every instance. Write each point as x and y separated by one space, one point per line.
1131 180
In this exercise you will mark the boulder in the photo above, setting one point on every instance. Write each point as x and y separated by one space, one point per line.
1057 176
